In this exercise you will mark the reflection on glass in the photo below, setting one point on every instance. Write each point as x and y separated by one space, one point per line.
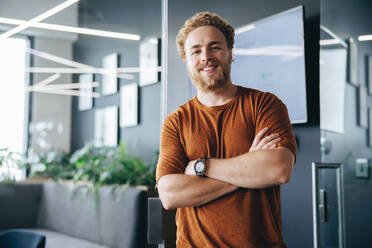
332 61
269 56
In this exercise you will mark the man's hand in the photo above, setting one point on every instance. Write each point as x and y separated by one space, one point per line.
265 143
260 142
190 168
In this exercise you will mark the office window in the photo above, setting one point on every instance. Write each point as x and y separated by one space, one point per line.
13 97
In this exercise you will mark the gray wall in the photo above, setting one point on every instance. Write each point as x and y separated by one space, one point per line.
296 195
350 19
141 17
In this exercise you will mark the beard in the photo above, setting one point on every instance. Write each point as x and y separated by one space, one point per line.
215 83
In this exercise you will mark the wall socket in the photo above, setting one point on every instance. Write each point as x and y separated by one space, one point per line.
362 168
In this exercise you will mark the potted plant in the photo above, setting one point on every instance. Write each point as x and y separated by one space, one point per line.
9 161
92 167
53 165
112 166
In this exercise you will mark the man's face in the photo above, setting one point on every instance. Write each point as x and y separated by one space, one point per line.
208 58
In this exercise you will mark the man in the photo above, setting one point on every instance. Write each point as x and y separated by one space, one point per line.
225 153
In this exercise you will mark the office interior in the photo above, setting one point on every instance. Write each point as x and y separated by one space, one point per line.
111 81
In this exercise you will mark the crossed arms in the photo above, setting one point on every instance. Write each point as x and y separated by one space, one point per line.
263 166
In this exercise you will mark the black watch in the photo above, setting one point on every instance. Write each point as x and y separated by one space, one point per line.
200 166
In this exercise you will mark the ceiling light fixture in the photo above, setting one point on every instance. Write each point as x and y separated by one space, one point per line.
329 42
137 69
57 59
245 28
37 19
70 29
72 63
66 92
365 37
63 89
46 81
65 70
67 86
293 51
334 36
89 70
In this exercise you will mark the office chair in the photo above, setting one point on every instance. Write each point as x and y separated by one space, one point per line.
17 238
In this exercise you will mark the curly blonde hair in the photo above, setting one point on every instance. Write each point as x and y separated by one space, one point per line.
204 19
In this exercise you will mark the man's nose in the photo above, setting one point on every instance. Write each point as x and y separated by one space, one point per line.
205 55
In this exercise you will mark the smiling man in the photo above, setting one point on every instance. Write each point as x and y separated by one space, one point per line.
224 153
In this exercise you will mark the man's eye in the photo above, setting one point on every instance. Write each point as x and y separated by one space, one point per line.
195 52
216 48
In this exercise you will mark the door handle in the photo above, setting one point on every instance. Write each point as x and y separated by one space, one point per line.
323 215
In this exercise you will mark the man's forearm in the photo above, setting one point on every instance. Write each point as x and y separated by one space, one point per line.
180 190
259 169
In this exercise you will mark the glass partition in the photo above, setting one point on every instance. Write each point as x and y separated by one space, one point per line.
346 110
84 56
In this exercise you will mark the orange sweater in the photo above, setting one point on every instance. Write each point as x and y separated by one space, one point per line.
245 217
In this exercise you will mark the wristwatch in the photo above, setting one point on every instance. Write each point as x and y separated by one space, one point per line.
199 166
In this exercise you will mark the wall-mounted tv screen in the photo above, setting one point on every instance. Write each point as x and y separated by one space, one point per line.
269 56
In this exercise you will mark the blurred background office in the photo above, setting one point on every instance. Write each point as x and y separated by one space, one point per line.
104 74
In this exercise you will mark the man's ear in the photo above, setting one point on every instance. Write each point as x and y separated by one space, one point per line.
230 56
185 59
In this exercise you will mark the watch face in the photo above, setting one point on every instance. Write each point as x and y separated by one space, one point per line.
199 167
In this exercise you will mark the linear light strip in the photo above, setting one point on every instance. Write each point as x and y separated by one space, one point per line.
329 42
72 86
245 28
64 70
37 19
67 62
67 92
47 81
57 59
125 76
137 69
330 33
68 86
365 37
270 51
76 30
89 70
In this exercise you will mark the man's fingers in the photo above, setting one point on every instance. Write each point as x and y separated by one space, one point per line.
259 136
273 146
267 140
271 143
189 170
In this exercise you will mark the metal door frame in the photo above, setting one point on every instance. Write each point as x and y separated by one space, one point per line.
341 227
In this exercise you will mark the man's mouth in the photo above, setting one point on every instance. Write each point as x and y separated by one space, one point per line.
209 68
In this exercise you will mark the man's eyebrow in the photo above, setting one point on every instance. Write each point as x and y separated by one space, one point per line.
214 43
209 44
195 46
